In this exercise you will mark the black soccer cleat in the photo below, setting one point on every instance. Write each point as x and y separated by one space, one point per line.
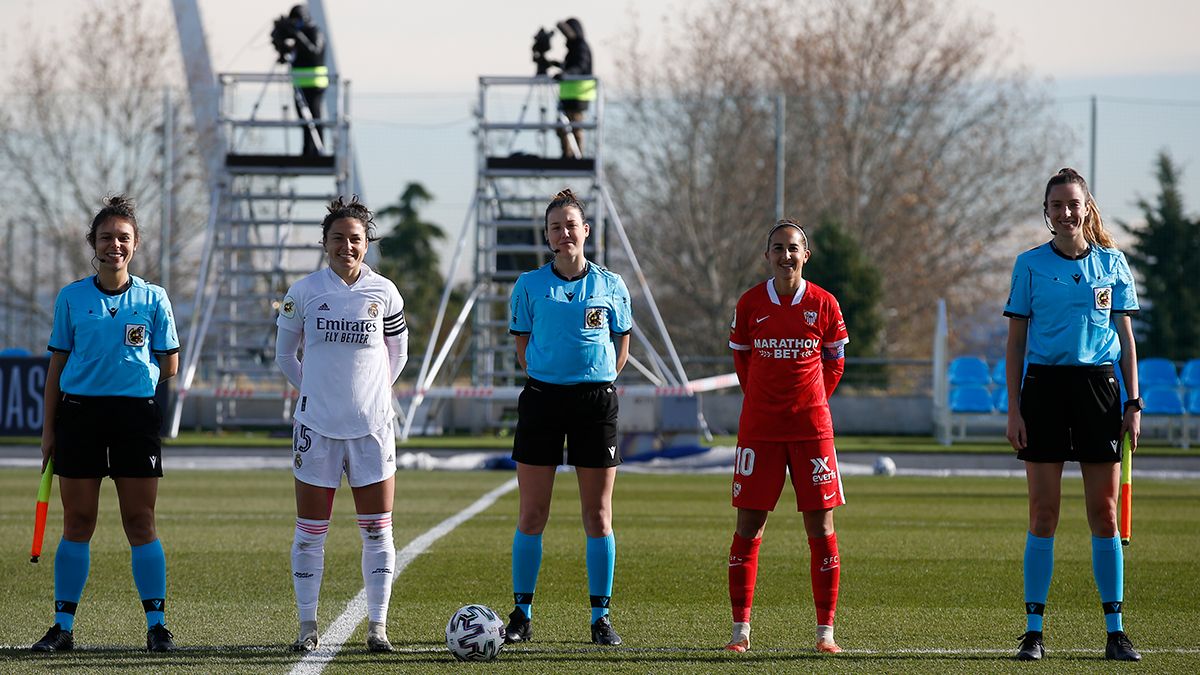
1119 648
158 639
603 632
1032 648
519 628
56 640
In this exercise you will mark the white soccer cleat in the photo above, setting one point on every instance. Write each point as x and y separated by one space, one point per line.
377 640
308 640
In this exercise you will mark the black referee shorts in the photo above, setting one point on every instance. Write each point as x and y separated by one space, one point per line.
1071 413
97 436
585 415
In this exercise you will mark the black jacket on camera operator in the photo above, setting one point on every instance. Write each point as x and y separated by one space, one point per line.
299 41
574 95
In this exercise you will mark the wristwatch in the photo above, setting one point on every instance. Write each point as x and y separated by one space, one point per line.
1134 403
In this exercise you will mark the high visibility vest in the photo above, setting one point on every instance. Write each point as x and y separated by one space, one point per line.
577 90
310 78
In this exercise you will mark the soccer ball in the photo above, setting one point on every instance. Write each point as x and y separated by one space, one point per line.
475 633
884 466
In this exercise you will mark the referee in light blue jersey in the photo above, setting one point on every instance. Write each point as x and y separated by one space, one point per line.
1069 322
113 341
572 320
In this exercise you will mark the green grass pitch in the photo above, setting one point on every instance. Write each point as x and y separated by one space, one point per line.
931 579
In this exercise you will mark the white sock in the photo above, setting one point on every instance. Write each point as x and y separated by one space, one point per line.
741 631
308 564
824 633
378 562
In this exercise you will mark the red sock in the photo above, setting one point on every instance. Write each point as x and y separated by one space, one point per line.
743 570
826 570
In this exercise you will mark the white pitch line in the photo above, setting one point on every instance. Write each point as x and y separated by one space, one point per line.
355 613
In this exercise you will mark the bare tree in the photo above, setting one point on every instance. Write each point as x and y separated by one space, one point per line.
902 126
83 120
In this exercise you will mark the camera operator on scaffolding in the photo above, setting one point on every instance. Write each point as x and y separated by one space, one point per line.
574 94
299 41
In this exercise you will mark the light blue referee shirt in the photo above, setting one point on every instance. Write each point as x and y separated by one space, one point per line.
570 323
1069 303
112 336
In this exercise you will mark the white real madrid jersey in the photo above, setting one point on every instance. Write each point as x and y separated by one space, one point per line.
345 386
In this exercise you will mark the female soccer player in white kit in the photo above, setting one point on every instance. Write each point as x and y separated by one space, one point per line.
351 322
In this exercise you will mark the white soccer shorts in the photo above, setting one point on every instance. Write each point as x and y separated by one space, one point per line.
321 461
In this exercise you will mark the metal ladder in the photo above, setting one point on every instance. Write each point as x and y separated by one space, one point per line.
517 174
263 235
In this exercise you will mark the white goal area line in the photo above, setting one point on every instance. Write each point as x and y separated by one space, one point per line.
355 613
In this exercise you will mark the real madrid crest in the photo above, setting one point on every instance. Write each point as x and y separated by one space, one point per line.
373 310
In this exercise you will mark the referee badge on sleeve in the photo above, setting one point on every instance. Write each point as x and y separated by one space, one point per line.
1103 297
135 335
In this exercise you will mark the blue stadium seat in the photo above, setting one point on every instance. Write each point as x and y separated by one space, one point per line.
1162 401
1154 373
1191 374
969 370
998 372
1000 397
1193 402
970 398
9 352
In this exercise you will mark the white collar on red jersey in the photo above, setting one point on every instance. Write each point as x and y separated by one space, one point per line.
795 298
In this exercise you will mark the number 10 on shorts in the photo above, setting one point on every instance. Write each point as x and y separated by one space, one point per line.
743 462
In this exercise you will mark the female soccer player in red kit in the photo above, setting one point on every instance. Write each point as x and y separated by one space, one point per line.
789 341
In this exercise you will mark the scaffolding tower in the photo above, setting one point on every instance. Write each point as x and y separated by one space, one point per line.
266 205
518 170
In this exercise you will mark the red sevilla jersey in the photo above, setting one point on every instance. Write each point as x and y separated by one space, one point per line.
785 394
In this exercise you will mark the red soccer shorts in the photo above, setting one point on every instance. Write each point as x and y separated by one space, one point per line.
759 469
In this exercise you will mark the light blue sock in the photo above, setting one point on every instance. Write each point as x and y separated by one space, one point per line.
1108 566
526 562
601 560
71 564
150 577
1039 567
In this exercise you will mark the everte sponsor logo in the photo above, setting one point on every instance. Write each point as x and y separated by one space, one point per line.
821 472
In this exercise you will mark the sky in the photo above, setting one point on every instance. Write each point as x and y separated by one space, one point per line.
414 69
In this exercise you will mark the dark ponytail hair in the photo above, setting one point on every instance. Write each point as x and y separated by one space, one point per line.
1093 225
118 206
563 199
355 209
